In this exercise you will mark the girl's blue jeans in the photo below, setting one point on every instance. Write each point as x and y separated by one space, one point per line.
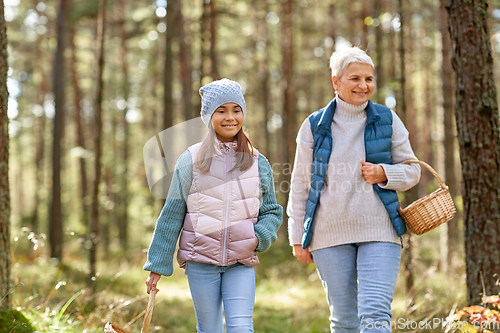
359 280
213 287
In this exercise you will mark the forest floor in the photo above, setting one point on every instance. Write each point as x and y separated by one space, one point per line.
289 296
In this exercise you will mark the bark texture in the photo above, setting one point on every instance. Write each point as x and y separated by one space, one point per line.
479 142
5 301
94 229
449 128
56 215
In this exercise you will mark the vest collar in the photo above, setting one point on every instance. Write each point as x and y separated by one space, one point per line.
372 114
325 122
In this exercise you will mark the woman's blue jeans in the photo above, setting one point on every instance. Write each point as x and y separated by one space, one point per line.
359 280
214 286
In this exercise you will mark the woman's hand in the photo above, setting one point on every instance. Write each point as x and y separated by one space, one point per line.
152 281
302 255
373 173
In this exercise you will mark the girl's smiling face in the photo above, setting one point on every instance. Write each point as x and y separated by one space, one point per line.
227 121
356 84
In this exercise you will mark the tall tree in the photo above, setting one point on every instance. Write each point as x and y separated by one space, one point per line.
125 88
479 141
185 67
56 218
332 26
208 22
80 137
214 68
43 87
94 229
287 82
364 13
168 72
262 64
378 9
288 93
5 303
449 129
405 117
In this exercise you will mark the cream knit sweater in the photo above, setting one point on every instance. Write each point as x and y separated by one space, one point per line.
349 210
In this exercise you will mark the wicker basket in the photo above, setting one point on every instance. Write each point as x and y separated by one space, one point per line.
112 328
430 211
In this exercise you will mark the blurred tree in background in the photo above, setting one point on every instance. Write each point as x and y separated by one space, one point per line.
58 87
88 188
5 260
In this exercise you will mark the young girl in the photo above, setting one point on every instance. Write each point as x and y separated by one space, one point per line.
222 203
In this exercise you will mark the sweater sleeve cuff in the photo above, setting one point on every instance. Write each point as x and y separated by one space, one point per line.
166 271
295 232
395 177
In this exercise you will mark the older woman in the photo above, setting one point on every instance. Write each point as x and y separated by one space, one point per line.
343 207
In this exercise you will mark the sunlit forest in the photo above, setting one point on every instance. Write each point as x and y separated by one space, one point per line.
91 82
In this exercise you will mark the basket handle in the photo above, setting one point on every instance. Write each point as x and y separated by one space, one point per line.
149 311
434 173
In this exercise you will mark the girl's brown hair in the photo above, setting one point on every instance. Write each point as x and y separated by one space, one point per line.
207 150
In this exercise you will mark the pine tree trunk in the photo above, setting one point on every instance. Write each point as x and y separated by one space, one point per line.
353 19
110 216
5 303
332 25
479 141
365 12
56 223
123 196
39 132
39 125
185 68
80 137
204 25
265 77
327 89
405 117
213 41
378 9
427 55
289 101
94 230
168 74
454 233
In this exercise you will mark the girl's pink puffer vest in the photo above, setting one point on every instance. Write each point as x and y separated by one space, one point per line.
222 209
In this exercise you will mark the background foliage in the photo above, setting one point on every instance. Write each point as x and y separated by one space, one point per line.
250 48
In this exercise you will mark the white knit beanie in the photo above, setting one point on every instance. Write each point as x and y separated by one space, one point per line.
217 93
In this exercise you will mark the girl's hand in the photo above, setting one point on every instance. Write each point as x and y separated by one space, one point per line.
302 255
152 281
373 173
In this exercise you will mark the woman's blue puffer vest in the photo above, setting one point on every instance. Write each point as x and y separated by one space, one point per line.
378 143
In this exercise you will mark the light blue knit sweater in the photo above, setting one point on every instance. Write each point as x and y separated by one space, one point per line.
171 219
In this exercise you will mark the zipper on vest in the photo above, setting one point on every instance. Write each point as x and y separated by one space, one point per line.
226 205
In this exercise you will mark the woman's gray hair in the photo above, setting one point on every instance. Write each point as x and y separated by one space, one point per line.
344 57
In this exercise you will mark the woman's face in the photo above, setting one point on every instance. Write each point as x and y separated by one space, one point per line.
227 121
356 85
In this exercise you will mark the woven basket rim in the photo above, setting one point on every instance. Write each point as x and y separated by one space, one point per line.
430 211
430 196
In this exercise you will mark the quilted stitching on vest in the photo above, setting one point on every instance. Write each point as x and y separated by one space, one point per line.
222 211
378 144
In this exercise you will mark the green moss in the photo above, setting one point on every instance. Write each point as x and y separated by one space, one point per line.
13 321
